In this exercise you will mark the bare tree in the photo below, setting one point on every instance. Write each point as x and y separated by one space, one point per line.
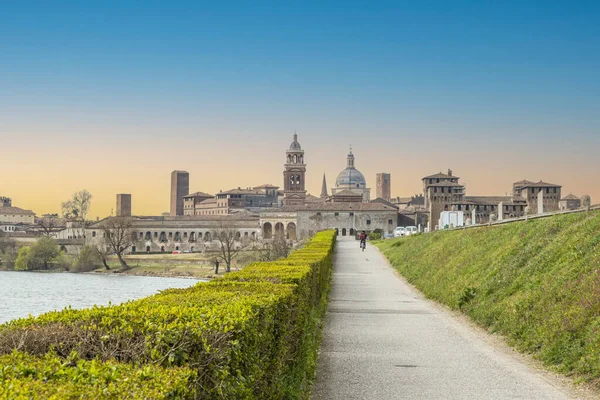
103 252
76 210
230 244
586 202
271 250
119 235
48 225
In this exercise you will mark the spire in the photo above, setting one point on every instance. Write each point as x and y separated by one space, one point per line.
324 188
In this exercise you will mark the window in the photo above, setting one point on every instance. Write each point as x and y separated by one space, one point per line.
93 233
390 221
337 214
318 214
352 214
368 222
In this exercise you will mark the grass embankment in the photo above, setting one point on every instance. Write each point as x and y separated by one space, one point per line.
193 265
254 334
536 282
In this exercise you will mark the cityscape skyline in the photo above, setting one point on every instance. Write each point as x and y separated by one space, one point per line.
154 198
112 97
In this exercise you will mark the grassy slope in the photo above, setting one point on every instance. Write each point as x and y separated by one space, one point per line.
536 282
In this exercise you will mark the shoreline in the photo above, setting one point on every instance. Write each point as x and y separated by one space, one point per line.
150 274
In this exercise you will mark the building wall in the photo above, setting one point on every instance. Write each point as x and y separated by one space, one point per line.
348 222
167 236
180 187
24 218
384 186
569 204
552 196
124 205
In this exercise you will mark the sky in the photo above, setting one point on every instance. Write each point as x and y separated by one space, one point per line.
112 96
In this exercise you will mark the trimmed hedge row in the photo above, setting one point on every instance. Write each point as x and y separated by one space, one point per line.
24 376
251 334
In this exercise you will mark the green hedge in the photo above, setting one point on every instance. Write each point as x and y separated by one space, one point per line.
251 334
536 282
23 376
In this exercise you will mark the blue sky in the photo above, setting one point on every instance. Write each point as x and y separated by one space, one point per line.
473 77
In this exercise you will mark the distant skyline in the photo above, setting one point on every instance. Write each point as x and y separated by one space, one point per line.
112 96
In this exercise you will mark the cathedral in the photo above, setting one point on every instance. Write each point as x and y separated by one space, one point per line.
348 209
350 185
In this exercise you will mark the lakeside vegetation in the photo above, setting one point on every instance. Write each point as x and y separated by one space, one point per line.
251 334
536 282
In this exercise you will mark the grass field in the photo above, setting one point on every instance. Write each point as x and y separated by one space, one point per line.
196 265
536 282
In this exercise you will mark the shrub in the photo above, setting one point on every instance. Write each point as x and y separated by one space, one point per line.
23 261
40 255
88 260
24 376
374 236
254 334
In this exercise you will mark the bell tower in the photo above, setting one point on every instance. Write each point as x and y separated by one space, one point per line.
294 185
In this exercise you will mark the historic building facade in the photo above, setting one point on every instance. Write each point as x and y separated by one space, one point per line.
168 234
351 180
570 202
348 219
14 215
384 185
180 187
443 192
294 173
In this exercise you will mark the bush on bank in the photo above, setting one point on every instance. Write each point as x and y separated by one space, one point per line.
536 282
253 334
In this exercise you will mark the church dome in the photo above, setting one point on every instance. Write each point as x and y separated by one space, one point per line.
295 146
351 178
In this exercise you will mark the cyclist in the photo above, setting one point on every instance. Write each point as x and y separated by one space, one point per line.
363 240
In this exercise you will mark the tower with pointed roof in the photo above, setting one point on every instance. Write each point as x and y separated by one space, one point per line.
294 185
324 188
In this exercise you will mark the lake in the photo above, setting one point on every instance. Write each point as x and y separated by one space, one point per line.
24 293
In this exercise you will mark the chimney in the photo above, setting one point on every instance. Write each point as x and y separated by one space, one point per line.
449 172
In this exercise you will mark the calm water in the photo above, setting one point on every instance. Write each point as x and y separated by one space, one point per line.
24 293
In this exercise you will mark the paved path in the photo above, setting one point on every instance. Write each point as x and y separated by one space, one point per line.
381 340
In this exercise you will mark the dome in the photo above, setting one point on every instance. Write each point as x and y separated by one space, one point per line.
351 178
295 146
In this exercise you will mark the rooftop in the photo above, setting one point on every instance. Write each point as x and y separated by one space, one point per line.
336 207
441 176
526 184
198 194
571 196
266 186
15 211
